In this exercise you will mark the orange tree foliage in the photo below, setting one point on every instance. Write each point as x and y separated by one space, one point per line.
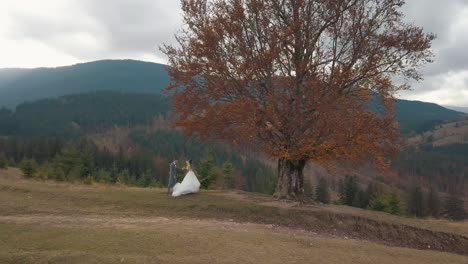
294 77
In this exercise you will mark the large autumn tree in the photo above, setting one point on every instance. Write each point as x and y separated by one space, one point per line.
294 78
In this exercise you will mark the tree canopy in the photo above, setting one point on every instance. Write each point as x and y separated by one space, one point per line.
294 76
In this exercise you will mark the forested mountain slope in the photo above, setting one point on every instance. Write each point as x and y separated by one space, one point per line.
19 85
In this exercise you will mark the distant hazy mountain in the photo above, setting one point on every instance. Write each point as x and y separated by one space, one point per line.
458 108
19 85
421 116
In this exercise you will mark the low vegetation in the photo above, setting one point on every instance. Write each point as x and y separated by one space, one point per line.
82 161
145 165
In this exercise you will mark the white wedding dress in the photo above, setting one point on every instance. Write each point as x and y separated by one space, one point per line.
189 184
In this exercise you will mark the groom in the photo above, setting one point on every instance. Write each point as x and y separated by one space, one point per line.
172 176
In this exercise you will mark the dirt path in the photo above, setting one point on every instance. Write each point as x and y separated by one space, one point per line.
112 221
348 222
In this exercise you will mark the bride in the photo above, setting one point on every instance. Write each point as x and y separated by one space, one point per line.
189 184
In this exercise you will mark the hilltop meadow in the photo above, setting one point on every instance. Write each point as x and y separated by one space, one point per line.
50 222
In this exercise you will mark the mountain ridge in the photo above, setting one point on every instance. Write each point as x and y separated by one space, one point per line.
19 85
463 109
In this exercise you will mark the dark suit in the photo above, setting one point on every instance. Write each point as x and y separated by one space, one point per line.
172 176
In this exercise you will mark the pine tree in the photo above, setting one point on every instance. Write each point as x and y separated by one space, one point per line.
394 204
145 179
123 178
416 204
56 172
361 199
68 159
228 175
308 189
113 173
207 171
3 161
11 162
433 203
454 207
349 190
341 192
43 171
322 193
86 163
373 190
29 167
104 176
75 173
379 203
385 202
120 159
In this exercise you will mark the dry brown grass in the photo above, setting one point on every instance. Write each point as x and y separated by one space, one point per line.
47 222
111 240
446 134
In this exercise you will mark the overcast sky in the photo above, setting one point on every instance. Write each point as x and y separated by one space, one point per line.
36 33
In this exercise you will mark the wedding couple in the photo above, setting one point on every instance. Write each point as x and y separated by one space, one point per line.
189 184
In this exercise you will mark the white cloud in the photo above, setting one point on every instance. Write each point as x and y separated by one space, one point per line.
61 32
445 79
445 89
30 54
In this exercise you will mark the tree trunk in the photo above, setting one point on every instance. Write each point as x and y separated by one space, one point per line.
290 179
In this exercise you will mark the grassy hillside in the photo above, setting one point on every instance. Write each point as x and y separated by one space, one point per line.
443 135
43 222
19 85
137 114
